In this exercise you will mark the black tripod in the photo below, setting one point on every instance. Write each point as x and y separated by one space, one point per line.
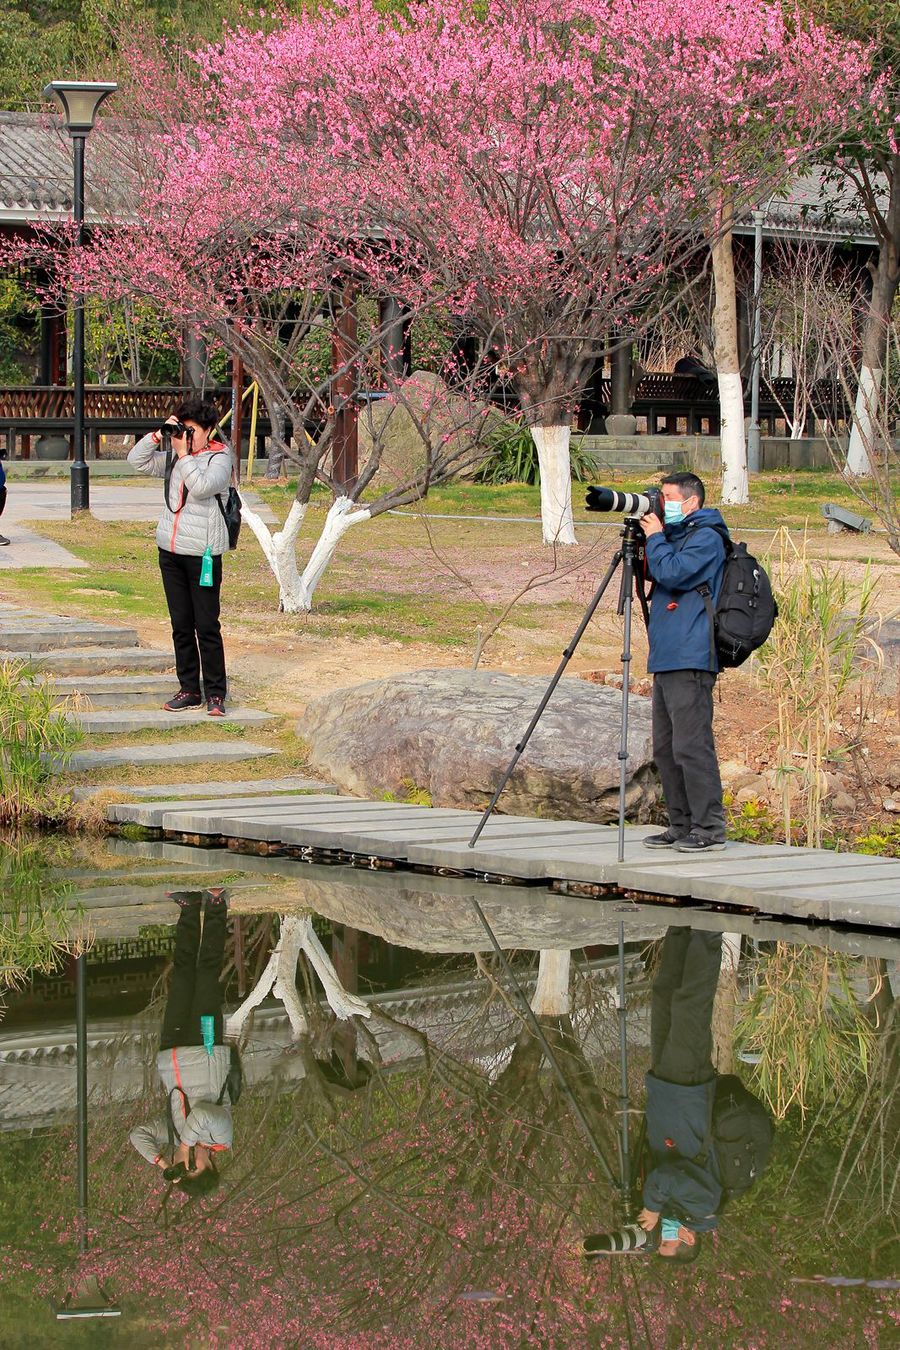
628 554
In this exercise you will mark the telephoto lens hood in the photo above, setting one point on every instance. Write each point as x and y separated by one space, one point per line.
628 1240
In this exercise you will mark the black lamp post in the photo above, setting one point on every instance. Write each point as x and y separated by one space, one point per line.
79 100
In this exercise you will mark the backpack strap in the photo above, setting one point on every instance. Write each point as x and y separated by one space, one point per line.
705 592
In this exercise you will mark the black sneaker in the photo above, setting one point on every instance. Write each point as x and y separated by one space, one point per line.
185 898
696 843
215 706
665 840
183 699
3 540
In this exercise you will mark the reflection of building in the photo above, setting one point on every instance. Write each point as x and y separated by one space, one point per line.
37 1066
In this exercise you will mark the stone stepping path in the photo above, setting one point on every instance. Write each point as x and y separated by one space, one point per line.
796 883
262 787
119 721
117 688
170 752
114 691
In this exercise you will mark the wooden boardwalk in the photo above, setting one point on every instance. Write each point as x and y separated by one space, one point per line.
766 879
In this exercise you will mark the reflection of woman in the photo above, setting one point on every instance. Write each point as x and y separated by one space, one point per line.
192 523
197 1124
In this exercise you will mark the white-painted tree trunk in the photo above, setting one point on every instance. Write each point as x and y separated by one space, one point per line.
342 515
551 996
864 430
556 483
735 483
296 935
296 589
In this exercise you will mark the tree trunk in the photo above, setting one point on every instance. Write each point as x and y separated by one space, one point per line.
551 997
735 485
295 590
556 483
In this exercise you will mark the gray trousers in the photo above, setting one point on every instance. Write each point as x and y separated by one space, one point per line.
685 752
681 1008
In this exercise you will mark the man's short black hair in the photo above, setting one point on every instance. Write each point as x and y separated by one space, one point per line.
200 410
688 484
683 1253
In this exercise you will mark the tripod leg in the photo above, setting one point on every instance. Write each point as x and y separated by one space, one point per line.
626 610
548 693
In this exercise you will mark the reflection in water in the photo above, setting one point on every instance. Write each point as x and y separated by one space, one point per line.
420 1176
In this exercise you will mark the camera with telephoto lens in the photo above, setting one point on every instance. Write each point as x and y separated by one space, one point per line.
175 1172
646 503
629 1238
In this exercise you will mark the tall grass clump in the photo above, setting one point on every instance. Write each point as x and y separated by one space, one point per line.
38 926
512 457
819 651
36 738
805 1027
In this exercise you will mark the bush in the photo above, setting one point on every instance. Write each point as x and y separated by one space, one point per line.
513 458
35 739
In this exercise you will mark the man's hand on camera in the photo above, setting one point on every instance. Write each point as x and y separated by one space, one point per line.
647 1218
650 524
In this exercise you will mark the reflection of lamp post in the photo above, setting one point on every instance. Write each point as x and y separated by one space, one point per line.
88 1299
753 447
79 100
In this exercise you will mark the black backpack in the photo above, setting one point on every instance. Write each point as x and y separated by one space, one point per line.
746 608
742 1133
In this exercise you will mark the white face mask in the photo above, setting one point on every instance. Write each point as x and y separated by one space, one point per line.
673 512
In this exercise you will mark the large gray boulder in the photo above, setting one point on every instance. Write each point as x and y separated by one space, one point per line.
453 732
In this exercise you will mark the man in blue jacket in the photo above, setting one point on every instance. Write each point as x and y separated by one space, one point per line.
685 553
682 1189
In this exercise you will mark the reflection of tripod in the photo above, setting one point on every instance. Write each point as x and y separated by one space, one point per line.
630 552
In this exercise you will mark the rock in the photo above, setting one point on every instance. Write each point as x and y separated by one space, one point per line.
751 792
842 801
453 732
891 804
736 776
892 774
447 424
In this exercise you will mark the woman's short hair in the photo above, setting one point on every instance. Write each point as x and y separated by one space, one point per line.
202 1184
198 409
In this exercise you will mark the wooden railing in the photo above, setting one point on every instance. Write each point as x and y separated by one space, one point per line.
44 405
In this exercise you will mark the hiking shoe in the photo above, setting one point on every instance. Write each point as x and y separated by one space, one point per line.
185 898
3 540
183 699
216 897
215 706
665 840
696 843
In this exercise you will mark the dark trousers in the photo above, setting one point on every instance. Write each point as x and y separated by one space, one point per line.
685 752
2 498
681 1006
194 611
195 990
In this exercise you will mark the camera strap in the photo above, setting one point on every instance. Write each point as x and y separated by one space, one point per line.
170 465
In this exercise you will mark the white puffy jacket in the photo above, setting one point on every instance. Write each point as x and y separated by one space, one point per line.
188 1072
199 523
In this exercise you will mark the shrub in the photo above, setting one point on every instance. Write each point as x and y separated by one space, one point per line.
36 738
513 458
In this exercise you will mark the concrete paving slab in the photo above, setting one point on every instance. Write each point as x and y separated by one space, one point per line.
47 638
179 752
119 722
90 659
151 813
330 825
127 500
28 549
263 787
112 691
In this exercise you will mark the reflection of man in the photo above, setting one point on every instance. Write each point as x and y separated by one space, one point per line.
682 1191
193 1067
682 555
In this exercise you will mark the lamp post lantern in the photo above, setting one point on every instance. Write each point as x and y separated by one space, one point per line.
79 100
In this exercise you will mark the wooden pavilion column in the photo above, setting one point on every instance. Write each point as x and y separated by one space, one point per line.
345 445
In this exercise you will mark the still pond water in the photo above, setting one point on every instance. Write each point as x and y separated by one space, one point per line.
428 1128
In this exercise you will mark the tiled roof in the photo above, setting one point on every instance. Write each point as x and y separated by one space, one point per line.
36 185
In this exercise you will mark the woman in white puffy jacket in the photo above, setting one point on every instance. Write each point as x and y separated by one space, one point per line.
191 523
